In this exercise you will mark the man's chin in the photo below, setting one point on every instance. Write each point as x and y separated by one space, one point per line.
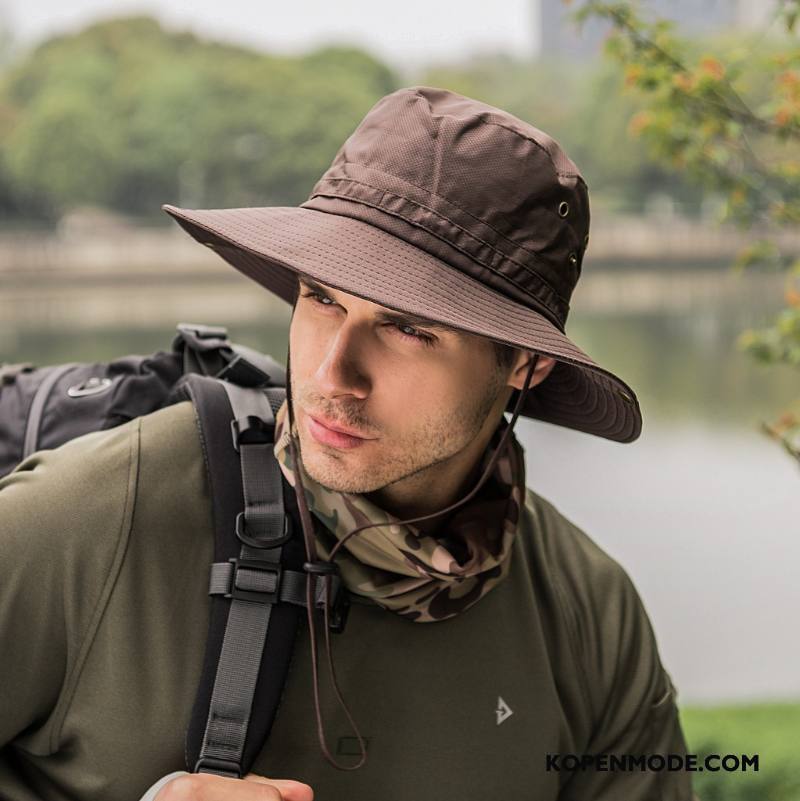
331 481
330 468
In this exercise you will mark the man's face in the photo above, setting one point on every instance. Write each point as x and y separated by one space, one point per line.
419 396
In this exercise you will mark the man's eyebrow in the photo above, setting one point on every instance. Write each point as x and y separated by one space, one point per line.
398 318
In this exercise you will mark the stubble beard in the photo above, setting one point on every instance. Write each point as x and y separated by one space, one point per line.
374 466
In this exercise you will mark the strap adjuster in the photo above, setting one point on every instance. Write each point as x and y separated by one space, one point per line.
240 370
250 581
340 609
340 598
202 337
250 430
254 542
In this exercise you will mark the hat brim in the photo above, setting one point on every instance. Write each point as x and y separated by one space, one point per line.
272 244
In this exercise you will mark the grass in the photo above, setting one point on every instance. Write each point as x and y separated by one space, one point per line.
771 730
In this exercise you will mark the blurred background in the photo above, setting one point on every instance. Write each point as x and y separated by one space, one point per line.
684 118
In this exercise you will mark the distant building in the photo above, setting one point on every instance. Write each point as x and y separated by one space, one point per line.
555 34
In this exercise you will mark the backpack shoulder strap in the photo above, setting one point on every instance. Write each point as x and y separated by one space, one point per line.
257 581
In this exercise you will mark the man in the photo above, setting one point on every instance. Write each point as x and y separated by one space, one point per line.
430 272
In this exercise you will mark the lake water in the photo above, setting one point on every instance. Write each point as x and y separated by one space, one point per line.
703 510
705 520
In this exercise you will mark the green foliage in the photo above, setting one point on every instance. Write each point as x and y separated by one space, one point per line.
789 10
778 343
128 115
727 114
769 730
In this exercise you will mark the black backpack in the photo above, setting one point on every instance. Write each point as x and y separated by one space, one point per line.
258 577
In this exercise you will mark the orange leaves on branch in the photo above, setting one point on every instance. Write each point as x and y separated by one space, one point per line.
787 112
633 72
737 196
789 81
711 67
786 421
709 71
697 119
787 115
639 122
684 81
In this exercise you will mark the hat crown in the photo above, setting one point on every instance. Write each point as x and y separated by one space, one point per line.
491 195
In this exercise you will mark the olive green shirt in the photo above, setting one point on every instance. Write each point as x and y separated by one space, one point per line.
105 547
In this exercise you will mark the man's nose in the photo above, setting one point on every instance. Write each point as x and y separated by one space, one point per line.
341 370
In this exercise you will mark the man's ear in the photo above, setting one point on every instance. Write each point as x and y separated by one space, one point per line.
543 367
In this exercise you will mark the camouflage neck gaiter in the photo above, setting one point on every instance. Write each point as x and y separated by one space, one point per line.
419 576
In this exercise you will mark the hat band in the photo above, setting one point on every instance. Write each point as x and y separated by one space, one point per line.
468 249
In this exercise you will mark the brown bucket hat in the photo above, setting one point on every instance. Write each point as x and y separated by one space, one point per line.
448 208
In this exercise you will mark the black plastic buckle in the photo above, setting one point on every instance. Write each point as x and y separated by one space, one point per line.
339 610
255 596
254 542
340 603
203 337
221 767
240 371
203 331
251 430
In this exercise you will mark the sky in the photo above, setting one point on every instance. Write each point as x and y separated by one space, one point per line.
402 33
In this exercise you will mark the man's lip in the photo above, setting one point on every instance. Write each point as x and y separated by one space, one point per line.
334 427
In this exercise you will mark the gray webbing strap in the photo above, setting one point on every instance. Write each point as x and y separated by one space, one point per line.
31 443
254 584
292 584
264 517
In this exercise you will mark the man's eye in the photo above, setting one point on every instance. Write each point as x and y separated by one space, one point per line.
317 298
406 331
424 339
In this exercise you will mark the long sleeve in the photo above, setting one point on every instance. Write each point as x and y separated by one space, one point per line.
64 516
633 698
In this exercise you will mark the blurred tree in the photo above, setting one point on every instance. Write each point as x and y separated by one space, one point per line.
129 115
729 120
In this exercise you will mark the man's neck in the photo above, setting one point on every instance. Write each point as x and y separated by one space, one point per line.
430 490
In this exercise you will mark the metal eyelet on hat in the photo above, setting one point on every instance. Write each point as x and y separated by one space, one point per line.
573 258
563 208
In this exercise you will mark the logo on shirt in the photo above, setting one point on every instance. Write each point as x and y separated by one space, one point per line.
503 710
